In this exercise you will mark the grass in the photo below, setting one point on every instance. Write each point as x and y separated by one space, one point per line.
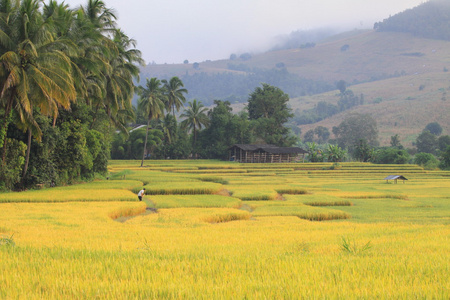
174 201
343 239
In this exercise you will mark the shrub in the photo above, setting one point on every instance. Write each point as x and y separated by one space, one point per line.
392 156
11 170
426 160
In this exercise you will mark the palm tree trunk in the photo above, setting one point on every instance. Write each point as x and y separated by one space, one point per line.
145 143
27 158
195 142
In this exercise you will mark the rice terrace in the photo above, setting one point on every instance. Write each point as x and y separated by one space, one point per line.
224 230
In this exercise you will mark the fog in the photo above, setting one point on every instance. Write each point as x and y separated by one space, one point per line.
172 31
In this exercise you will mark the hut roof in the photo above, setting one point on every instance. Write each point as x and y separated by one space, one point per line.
283 150
394 177
269 148
247 147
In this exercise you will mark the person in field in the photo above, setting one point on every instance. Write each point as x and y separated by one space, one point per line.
141 194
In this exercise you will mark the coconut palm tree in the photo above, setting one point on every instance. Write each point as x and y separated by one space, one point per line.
196 117
101 17
151 102
175 94
169 127
119 75
34 72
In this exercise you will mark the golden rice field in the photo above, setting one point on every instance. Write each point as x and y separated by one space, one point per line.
224 230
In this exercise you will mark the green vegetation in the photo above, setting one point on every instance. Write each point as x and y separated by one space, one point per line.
66 81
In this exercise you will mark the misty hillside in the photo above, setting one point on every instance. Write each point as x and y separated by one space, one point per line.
429 20
398 77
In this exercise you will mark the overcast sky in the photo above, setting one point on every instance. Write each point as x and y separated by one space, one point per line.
170 31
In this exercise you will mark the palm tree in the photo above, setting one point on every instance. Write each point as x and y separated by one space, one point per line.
34 72
168 126
101 17
175 94
196 117
119 75
151 102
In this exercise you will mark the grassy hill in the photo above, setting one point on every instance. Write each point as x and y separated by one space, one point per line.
403 78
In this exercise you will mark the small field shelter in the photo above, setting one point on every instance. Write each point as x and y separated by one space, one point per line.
265 153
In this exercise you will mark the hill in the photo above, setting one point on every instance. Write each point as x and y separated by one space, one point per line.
429 20
403 78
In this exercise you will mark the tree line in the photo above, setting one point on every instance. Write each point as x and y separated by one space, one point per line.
201 132
356 137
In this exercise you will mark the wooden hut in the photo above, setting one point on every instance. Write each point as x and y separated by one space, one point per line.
395 178
265 153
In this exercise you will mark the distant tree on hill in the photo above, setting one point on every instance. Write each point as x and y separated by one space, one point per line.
341 86
245 56
233 56
196 65
345 48
434 128
185 62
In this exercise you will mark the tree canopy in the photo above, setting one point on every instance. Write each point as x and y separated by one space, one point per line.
268 108
354 128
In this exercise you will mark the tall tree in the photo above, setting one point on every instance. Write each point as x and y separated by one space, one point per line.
119 75
268 107
224 130
151 102
175 94
354 128
196 118
427 142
